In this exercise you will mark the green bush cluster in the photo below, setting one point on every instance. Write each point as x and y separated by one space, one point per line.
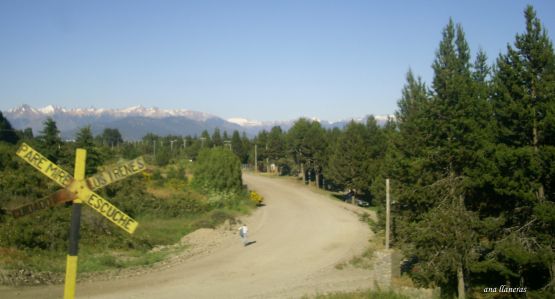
218 170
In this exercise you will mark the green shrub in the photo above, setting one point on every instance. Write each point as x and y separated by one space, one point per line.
217 170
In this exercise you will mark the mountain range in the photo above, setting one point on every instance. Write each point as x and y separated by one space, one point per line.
137 121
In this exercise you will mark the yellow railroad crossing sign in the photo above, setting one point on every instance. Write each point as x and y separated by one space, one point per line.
81 190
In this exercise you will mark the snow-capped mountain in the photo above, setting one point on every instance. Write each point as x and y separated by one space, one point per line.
133 122
153 112
243 122
137 121
285 125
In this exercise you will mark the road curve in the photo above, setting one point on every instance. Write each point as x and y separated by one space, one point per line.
300 236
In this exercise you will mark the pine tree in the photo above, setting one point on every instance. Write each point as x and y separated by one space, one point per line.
376 151
7 133
27 134
85 140
524 109
205 140
448 134
111 137
348 163
217 138
298 145
237 146
50 141
277 147
407 170
246 146
316 144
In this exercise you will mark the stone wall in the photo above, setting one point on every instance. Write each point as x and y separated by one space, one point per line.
386 267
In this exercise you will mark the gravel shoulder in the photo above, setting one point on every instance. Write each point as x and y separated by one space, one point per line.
300 237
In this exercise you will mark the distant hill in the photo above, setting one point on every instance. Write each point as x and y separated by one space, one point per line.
135 122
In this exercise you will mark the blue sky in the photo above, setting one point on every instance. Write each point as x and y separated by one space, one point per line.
264 60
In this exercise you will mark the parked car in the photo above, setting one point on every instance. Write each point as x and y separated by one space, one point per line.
362 203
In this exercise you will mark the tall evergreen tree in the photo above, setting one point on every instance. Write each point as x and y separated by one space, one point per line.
238 148
85 140
317 144
348 165
524 109
50 140
307 145
7 133
413 123
111 137
376 150
298 146
261 143
448 139
246 146
27 134
277 148
205 140
217 138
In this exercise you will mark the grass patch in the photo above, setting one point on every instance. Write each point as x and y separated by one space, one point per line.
364 261
370 294
39 260
164 231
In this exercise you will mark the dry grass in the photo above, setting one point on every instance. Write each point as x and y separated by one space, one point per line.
162 193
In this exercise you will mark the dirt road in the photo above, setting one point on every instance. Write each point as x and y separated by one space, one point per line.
300 237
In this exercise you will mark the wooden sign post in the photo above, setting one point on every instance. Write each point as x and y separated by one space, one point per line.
79 190
387 214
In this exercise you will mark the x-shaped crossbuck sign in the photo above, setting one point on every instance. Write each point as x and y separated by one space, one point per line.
80 189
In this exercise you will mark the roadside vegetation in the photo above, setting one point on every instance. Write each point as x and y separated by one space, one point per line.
169 200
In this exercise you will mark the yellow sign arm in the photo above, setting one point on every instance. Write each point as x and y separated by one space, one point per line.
62 195
108 210
45 166
116 173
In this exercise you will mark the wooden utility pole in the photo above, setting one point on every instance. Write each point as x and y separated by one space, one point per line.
171 145
255 158
387 214
267 159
